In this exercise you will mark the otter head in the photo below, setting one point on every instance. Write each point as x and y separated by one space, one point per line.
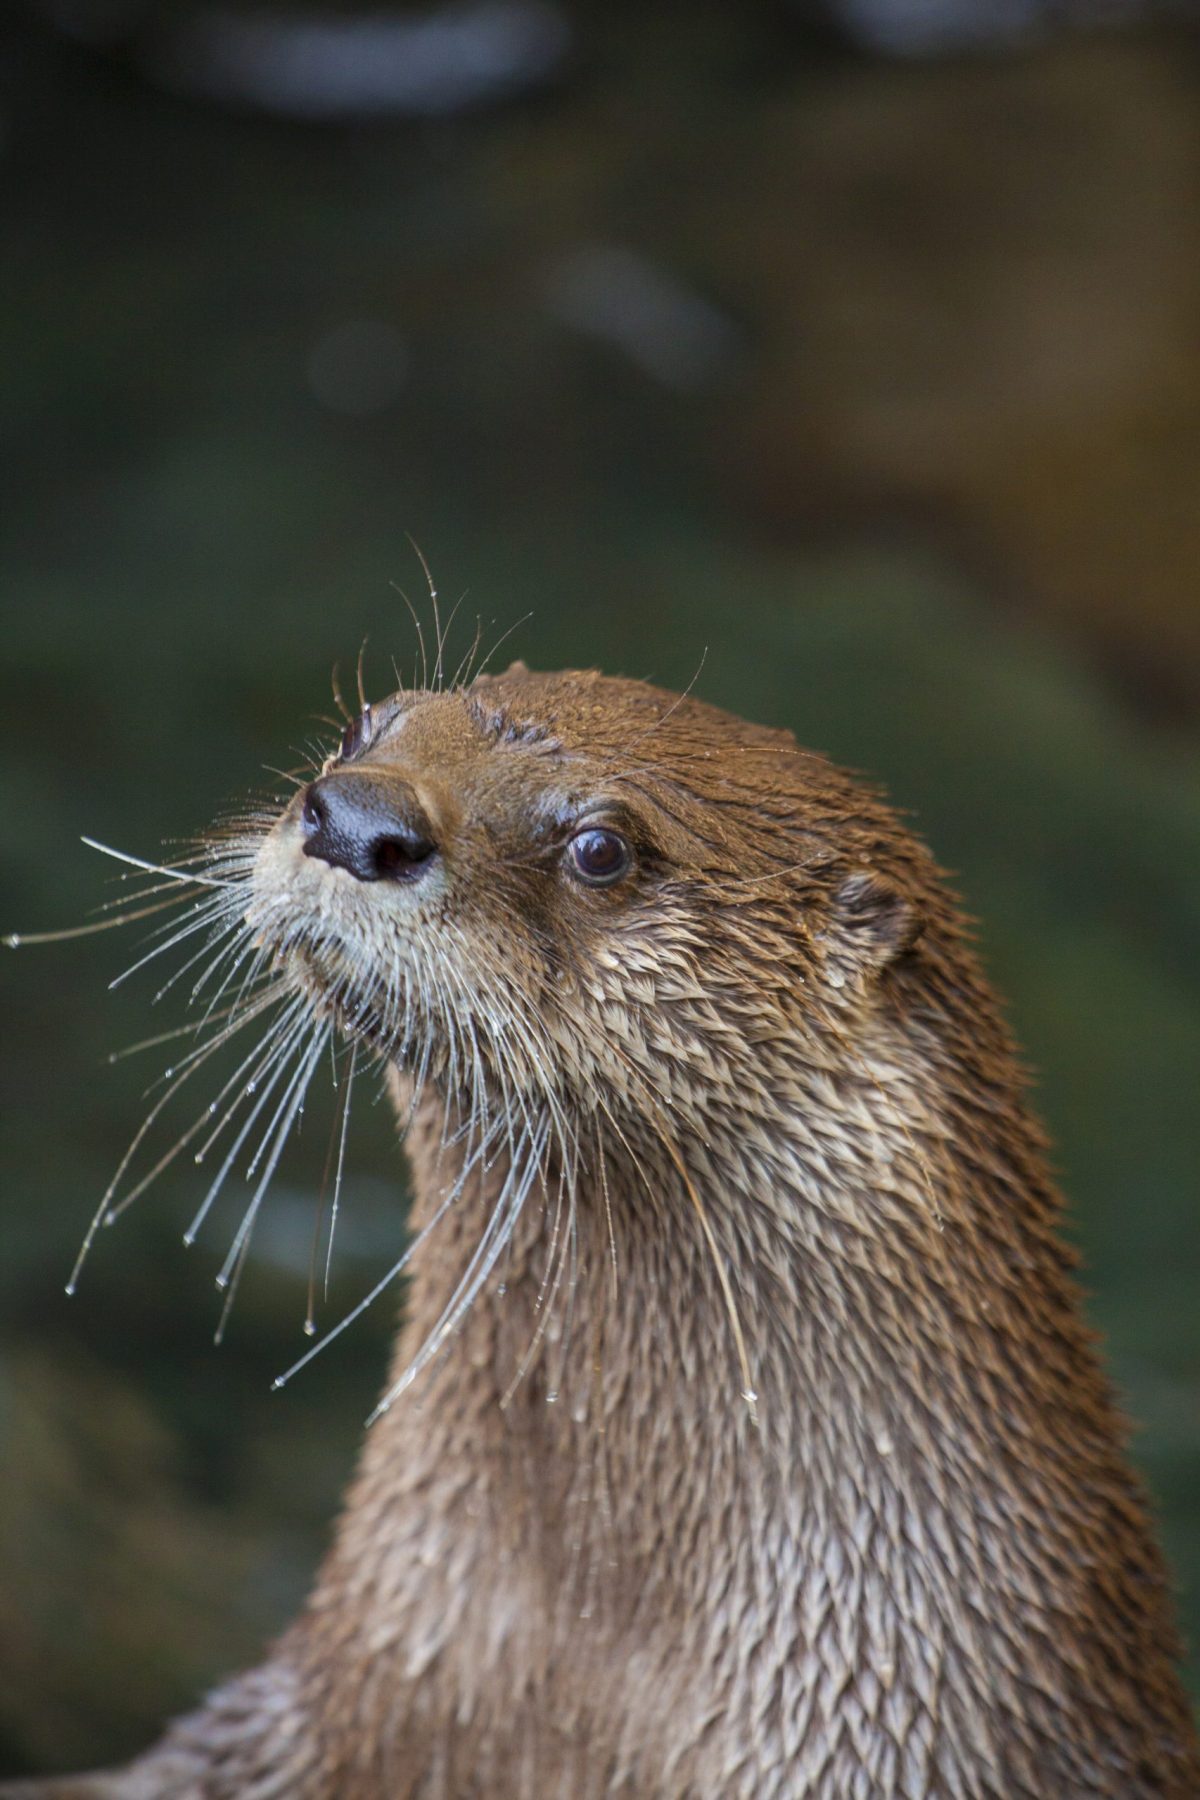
562 886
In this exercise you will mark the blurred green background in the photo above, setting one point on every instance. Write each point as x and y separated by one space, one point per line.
851 349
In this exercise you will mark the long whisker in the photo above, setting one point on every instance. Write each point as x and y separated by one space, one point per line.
15 940
335 684
496 1236
294 1100
674 706
385 1281
231 1288
152 868
503 639
279 1057
188 1029
223 912
749 1395
114 1208
341 1161
102 1212
412 613
272 1046
547 1294
462 673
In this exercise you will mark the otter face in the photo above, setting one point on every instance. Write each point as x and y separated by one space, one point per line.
463 879
561 873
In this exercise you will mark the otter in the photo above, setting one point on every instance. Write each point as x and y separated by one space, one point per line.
744 1436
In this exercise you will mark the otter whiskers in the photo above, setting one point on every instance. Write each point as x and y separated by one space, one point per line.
243 969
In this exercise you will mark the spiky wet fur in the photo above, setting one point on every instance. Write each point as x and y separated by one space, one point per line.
743 1436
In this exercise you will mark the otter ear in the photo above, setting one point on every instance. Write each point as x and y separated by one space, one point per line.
486 677
877 922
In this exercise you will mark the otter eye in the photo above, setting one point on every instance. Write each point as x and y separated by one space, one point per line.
599 857
356 736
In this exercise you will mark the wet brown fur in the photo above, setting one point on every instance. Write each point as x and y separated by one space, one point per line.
575 1560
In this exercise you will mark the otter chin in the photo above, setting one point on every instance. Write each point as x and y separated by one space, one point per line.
744 1436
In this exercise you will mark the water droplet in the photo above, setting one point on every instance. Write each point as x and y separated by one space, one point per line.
750 1396
884 1444
13 940
167 1074
198 1158
310 1328
552 1396
70 1288
189 1238
835 976
251 1087
212 1107
222 1282
502 1288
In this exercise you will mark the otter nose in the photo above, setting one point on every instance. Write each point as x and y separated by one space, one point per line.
376 829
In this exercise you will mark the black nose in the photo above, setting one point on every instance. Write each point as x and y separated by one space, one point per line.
372 826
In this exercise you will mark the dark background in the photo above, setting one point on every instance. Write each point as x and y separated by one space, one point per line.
852 351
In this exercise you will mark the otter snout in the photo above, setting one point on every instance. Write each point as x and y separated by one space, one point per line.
371 826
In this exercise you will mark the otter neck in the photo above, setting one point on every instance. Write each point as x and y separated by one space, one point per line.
604 1335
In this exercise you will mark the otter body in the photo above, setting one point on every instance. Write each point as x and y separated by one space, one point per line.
744 1436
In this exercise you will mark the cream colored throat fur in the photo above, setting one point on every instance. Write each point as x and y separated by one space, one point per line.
744 1439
